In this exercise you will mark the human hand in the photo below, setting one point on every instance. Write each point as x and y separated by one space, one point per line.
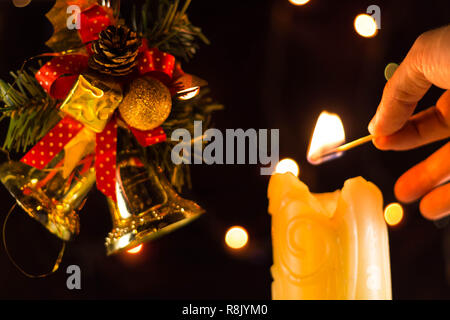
395 128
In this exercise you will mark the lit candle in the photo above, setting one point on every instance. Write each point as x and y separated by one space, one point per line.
330 245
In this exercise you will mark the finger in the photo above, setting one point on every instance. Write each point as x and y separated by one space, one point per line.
425 127
400 95
427 62
424 176
436 204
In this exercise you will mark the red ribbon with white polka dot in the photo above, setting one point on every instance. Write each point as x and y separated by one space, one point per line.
105 149
93 20
53 143
58 76
156 63
105 159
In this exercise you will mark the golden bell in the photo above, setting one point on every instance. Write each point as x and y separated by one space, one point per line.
147 206
47 196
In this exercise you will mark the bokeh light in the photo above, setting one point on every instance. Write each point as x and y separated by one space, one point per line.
288 165
188 93
389 70
393 214
236 237
298 2
365 25
21 3
135 250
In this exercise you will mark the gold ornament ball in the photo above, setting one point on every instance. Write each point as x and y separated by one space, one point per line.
147 104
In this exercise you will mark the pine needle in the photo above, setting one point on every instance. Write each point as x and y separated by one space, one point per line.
32 112
167 27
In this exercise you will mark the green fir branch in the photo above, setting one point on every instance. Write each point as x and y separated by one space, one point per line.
166 25
31 111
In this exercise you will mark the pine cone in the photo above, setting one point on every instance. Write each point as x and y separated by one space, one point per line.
115 51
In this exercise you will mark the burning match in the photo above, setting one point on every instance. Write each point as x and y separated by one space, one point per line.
328 138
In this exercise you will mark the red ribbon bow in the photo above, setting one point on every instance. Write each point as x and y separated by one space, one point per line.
58 76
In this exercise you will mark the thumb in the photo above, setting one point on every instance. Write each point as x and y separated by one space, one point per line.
427 62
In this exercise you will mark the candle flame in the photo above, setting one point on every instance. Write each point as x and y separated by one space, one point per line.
328 134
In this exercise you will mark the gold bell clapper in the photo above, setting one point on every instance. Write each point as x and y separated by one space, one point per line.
47 195
147 206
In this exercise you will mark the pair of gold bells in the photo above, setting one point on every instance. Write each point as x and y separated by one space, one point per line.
147 206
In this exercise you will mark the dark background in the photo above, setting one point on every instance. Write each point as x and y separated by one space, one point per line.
273 65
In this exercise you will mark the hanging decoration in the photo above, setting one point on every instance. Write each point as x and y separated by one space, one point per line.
97 111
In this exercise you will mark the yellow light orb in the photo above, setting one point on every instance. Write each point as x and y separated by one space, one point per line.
288 165
298 2
236 237
393 214
365 25
135 250
389 70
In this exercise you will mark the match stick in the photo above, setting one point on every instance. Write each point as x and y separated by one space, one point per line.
336 152
352 144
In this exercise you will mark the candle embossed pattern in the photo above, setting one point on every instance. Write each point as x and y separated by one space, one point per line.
331 245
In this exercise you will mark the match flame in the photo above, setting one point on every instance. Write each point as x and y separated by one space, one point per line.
328 134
